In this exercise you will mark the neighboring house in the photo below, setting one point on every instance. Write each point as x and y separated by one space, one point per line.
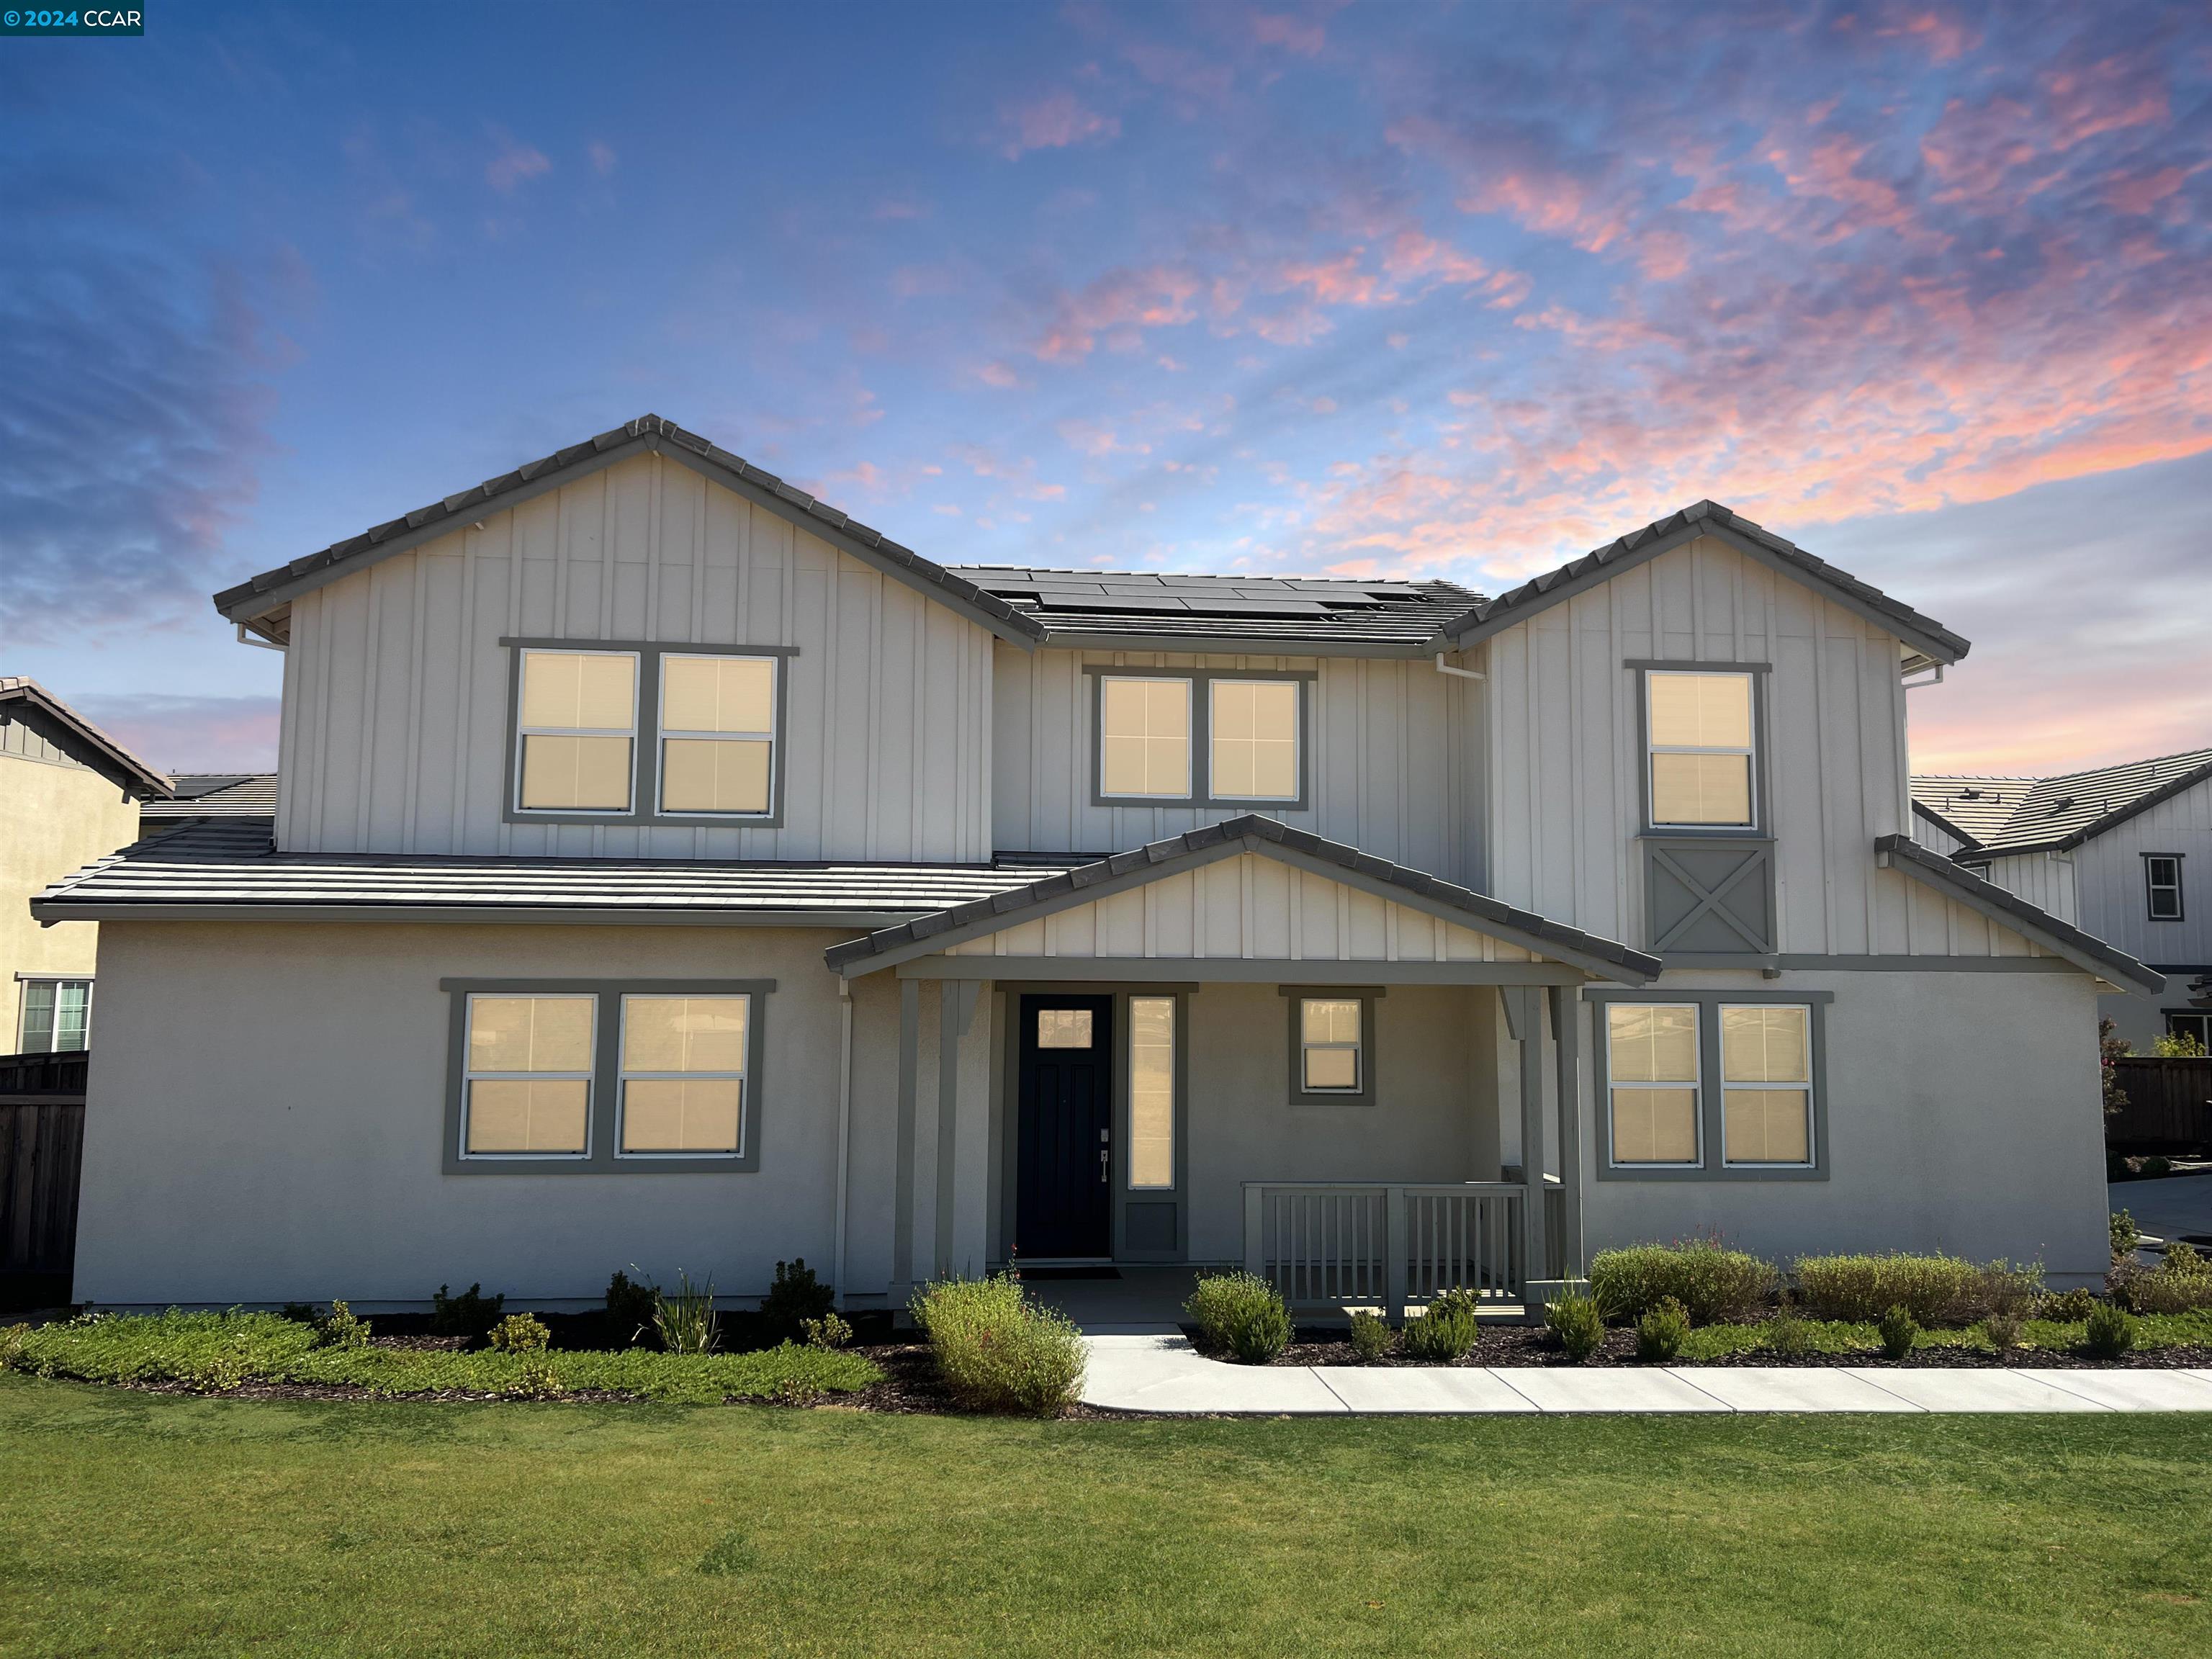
668 870
69 793
204 795
2123 852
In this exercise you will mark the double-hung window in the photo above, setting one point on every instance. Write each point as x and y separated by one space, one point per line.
57 1016
1702 754
1203 737
717 735
1712 1086
2162 885
604 1076
1332 1045
576 730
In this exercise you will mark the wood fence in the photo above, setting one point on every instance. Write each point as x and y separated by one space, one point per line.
41 1147
2169 1106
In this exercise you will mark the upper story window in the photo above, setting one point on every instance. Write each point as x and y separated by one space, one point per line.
2162 885
1702 755
645 734
1205 738
57 1016
576 730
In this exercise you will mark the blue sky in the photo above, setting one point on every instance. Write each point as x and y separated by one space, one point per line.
1453 289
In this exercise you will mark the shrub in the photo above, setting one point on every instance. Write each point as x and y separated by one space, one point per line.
1440 1336
2112 1332
537 1377
1935 1290
471 1313
2127 1238
342 1330
2178 1045
1787 1335
2155 1166
796 1296
1241 1315
2067 1307
2181 1281
997 1349
1897 1327
828 1332
1711 1282
2002 1330
2007 1290
630 1306
1575 1322
300 1313
1660 1333
685 1320
521 1332
13 1341
1370 1337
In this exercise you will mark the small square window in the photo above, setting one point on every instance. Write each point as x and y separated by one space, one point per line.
57 1017
1063 1028
1144 733
1253 740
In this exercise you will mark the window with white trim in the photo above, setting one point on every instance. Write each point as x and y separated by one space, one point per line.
1253 739
1143 725
526 1082
56 1017
684 1062
1651 1070
1701 764
718 734
1766 1084
2198 1027
2162 885
576 730
1151 1093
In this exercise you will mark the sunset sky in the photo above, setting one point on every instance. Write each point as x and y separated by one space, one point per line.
1457 290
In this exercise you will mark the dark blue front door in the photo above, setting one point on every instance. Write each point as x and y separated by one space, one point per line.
1063 1133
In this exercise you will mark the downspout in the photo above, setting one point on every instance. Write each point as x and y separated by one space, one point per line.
245 638
844 1133
1443 667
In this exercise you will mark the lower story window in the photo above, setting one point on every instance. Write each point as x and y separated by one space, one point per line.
1653 1066
57 1016
683 1074
528 1087
1151 1092
1712 1086
1766 1085
2197 1027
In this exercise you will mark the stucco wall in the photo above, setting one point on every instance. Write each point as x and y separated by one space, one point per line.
55 818
1963 1116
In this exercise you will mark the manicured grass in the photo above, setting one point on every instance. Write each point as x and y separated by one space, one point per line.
218 1350
139 1523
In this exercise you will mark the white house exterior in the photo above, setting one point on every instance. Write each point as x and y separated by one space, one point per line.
666 870
2122 852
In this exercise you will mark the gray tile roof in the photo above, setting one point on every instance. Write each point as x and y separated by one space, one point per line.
1162 858
24 698
2086 952
256 598
1116 607
227 867
1708 518
215 795
2030 815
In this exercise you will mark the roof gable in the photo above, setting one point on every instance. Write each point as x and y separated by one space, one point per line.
41 711
261 603
1934 643
2054 814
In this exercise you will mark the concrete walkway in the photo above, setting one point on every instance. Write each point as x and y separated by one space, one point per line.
1157 1371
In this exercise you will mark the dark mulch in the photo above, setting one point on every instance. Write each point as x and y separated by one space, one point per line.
1530 1345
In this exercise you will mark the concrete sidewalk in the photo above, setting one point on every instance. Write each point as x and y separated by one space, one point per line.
1158 1370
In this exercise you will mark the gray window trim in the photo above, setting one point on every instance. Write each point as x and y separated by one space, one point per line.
1200 681
1294 1023
599 1157
2151 888
645 743
1711 1142
1757 829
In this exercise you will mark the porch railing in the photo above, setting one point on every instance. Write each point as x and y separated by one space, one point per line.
1348 1244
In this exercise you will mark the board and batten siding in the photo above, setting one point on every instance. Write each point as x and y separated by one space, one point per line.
2108 874
1394 748
2044 880
1566 759
395 725
1249 907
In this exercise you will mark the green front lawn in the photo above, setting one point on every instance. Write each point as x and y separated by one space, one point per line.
137 1524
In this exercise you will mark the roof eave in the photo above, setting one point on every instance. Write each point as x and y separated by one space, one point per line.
65 728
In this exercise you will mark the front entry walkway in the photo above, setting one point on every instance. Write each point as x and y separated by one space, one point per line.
1157 1370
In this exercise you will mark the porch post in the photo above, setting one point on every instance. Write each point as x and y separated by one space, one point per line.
955 1005
1531 1034
909 1054
1566 1039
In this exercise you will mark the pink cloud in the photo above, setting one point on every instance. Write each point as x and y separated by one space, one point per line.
1055 121
1292 34
515 162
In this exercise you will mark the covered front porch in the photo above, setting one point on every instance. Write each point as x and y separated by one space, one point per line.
1260 1051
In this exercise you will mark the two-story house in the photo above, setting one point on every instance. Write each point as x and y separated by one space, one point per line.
2116 851
668 870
